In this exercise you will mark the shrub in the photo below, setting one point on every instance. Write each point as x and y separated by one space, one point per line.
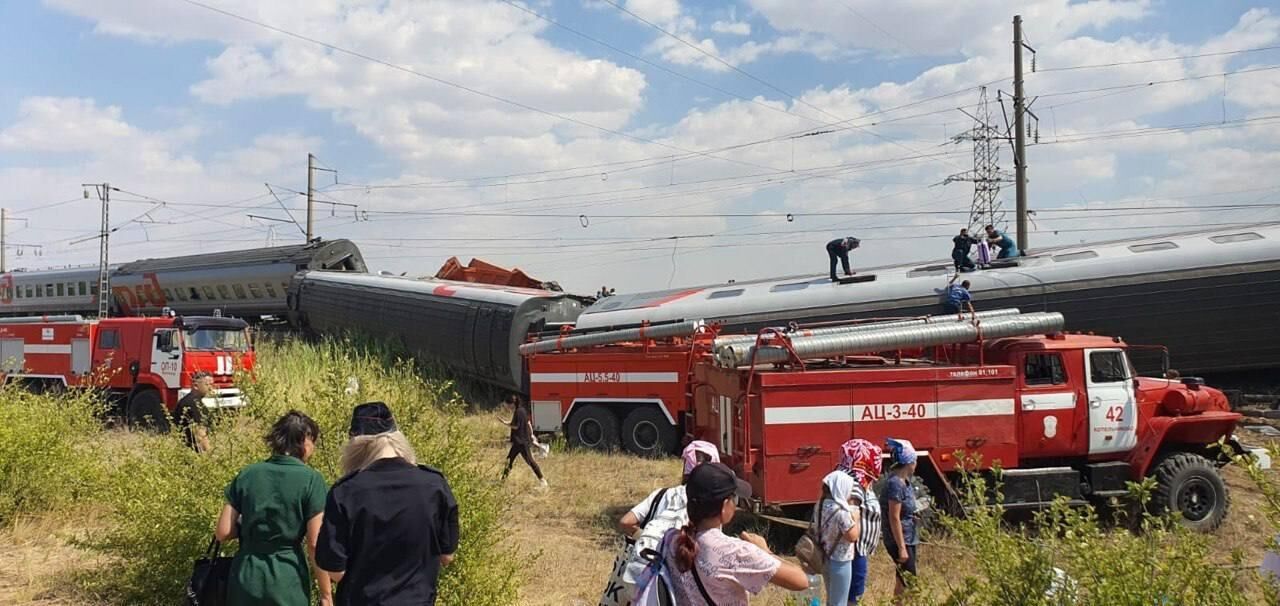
166 498
1067 556
46 451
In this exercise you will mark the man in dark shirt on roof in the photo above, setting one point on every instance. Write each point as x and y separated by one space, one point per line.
839 249
963 243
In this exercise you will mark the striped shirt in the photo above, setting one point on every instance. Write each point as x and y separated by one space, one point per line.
869 533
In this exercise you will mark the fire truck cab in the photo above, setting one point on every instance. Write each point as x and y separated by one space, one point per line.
143 365
1060 414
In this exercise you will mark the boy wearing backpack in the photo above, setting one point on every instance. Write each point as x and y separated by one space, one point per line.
647 522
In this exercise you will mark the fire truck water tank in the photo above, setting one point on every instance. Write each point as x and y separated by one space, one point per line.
1177 401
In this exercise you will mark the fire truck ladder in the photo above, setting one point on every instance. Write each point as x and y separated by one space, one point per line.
871 338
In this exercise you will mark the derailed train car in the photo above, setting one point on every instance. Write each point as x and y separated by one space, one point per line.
473 329
244 283
1208 296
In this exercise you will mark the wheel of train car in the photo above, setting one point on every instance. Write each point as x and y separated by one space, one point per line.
1190 485
594 426
145 411
648 433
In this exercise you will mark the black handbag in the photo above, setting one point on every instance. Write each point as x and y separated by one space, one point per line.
209 577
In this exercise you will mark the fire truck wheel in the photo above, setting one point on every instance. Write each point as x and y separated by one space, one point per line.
594 427
145 411
1189 484
648 433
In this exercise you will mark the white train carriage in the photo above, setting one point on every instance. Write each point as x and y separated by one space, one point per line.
1209 296
245 283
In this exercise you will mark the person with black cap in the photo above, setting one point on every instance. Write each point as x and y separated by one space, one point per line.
522 438
390 524
710 567
839 249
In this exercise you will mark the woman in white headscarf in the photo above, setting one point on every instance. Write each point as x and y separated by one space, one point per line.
836 519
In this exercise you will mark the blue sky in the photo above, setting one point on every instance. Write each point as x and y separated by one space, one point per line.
170 101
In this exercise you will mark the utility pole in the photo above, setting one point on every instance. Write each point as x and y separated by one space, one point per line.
311 167
1020 134
4 218
104 273
986 175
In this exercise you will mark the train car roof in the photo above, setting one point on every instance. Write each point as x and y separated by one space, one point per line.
508 295
305 255
1185 251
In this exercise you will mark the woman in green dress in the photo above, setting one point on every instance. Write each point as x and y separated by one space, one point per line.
278 503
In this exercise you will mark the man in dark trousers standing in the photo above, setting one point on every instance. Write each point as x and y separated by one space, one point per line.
963 243
188 415
839 249
521 439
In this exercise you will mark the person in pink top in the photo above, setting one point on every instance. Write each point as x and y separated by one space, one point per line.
710 568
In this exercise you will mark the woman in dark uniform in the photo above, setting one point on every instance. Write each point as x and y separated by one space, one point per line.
279 502
389 524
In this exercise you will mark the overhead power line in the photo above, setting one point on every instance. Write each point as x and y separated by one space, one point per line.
1160 60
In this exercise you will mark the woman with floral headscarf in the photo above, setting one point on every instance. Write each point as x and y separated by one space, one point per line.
860 460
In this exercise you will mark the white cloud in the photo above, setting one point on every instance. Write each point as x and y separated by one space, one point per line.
736 28
64 125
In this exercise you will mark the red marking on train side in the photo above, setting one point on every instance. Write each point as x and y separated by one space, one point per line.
673 297
444 291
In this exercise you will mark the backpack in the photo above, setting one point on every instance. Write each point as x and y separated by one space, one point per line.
654 529
809 549
654 582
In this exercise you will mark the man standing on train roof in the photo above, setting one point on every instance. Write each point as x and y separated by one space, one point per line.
839 249
960 252
1008 248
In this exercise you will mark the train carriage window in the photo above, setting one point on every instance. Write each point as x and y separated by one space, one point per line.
1240 237
182 293
39 290
19 290
1076 256
239 291
48 290
224 292
84 288
195 294
1044 369
93 289
59 288
108 339
271 290
789 287
168 294
253 291
208 293
71 289
725 294
1154 246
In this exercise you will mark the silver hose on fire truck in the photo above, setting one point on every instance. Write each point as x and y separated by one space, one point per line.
727 340
679 329
887 339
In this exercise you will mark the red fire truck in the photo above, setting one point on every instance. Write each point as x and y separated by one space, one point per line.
144 365
1061 414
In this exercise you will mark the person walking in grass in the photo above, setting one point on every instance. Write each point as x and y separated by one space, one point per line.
273 507
522 439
